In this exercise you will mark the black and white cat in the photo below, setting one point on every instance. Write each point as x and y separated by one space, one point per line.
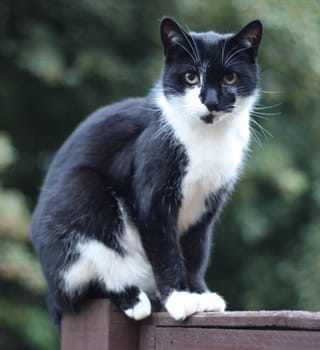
127 208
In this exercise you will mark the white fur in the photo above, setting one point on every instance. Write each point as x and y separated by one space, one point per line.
211 302
97 261
141 310
215 151
181 305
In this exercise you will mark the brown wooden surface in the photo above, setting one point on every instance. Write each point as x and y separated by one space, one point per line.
244 319
235 339
101 326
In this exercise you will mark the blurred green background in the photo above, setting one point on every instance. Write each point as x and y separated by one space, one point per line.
61 59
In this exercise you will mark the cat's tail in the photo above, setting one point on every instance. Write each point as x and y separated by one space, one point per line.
56 310
59 304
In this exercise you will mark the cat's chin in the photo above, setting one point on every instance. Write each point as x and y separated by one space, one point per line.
211 118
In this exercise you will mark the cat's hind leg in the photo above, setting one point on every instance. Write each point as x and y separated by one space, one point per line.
83 239
121 277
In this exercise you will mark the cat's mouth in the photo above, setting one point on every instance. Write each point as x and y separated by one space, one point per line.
214 117
211 118
208 118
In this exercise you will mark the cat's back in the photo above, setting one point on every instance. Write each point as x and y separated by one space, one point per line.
111 123
102 134
95 142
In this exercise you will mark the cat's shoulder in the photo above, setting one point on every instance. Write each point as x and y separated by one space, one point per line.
115 122
131 110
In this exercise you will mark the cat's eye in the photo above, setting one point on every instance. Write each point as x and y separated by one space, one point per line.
191 78
230 78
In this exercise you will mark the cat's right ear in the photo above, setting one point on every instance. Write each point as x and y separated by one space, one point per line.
171 34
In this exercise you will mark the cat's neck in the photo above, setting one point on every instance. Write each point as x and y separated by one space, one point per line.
215 152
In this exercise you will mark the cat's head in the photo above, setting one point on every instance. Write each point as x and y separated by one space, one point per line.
208 76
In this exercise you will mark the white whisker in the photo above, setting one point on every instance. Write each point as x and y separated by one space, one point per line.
223 50
269 92
190 54
259 106
265 114
255 135
192 44
261 128
228 59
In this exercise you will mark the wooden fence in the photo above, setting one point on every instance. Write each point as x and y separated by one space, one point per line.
101 326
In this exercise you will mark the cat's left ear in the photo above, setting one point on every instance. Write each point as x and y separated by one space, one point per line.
172 34
251 35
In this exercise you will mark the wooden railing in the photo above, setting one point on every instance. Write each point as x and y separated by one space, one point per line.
101 326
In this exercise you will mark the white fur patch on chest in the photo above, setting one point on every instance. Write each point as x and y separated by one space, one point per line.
215 151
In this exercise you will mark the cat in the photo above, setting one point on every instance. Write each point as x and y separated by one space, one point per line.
128 205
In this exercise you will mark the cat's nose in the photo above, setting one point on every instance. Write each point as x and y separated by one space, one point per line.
210 100
212 106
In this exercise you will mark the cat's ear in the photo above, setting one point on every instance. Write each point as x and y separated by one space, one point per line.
251 35
172 34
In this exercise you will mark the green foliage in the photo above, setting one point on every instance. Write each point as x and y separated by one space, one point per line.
60 60
25 324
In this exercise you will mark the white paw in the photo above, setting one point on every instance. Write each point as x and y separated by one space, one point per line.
211 302
140 310
180 305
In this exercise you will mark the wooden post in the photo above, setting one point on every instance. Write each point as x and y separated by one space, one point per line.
101 326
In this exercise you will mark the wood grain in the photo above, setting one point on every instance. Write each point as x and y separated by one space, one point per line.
101 326
244 319
235 339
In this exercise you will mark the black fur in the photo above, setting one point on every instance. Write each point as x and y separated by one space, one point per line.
113 155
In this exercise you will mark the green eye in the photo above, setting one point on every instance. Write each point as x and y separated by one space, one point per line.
230 78
191 78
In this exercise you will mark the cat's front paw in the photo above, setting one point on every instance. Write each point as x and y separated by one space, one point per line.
180 305
211 302
141 309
